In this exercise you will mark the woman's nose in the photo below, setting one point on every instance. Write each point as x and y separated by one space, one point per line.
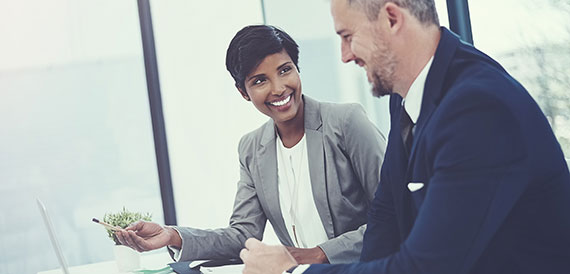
278 88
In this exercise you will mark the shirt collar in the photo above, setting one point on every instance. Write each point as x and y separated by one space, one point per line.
413 101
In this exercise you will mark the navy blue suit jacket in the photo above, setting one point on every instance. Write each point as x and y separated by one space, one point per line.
496 195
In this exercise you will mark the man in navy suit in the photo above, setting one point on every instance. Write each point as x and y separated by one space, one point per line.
474 180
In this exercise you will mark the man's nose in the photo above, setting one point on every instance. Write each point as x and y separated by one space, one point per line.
346 53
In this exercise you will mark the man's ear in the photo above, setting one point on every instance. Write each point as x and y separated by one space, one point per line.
394 14
243 93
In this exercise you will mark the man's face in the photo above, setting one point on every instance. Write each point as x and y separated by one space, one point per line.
364 42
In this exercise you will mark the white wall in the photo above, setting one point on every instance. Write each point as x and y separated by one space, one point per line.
76 128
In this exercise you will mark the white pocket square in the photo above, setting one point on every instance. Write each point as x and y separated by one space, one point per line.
413 187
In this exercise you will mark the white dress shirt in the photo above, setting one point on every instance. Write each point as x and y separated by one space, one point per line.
413 100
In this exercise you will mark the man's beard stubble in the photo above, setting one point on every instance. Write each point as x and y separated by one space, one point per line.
383 71
380 87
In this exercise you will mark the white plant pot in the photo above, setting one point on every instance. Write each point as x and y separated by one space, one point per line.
127 258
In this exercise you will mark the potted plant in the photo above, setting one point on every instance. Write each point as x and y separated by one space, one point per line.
127 259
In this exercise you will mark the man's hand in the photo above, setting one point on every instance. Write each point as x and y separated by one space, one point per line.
313 255
260 258
144 236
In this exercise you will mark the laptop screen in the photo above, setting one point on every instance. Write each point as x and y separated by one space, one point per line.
52 236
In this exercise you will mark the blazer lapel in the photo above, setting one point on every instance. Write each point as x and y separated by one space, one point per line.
316 154
433 92
267 163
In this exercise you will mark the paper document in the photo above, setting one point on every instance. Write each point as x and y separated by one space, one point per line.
227 269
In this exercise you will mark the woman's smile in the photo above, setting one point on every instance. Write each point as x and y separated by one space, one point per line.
274 88
282 104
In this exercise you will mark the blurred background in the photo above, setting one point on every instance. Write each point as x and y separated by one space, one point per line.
76 128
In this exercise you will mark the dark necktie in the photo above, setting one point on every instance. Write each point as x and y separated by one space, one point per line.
406 126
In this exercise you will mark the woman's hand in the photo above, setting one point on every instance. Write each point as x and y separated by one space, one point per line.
313 255
144 236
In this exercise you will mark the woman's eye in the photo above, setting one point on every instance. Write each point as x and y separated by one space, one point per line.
258 81
285 70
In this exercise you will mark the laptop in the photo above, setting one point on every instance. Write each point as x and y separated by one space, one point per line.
52 236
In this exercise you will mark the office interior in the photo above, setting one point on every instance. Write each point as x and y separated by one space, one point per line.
110 104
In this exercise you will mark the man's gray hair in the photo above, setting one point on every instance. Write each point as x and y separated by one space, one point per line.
423 10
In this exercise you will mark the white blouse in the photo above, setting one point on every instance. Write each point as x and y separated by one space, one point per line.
296 196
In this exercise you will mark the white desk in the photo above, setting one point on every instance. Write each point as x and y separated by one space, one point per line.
151 262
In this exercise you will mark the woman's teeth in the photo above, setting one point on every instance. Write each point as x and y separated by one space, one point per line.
283 102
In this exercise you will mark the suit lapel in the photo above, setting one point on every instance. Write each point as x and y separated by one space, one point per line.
267 162
433 93
316 154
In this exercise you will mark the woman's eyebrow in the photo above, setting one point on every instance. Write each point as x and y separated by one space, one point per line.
255 76
284 64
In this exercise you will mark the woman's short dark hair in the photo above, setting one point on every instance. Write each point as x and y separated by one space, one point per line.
252 44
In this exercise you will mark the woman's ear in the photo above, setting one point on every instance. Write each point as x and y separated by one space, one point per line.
243 93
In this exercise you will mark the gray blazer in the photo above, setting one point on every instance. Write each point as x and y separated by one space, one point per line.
345 153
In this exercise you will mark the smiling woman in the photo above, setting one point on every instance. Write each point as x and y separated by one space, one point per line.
274 88
271 80
311 170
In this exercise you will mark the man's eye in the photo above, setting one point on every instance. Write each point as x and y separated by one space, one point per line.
347 37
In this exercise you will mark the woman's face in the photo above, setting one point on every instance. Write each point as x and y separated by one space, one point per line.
274 87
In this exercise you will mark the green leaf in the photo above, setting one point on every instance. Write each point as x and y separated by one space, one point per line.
123 219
